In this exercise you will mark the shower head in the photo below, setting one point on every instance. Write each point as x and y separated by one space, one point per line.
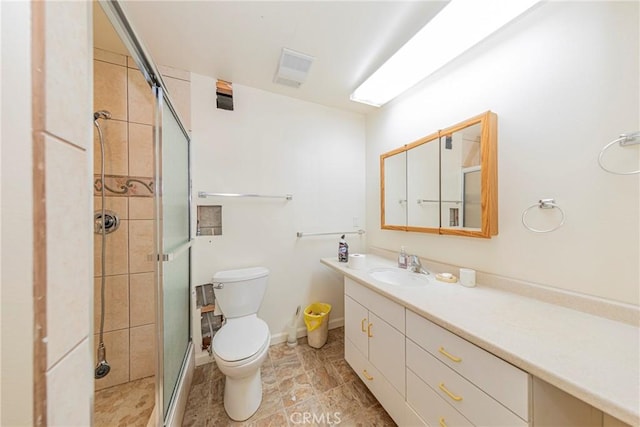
102 368
101 114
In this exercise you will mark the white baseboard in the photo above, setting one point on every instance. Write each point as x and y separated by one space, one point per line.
203 357
302 332
176 411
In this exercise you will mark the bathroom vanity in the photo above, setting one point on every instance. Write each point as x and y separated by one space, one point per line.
440 354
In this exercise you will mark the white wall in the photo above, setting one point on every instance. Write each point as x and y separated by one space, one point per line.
271 144
16 371
563 81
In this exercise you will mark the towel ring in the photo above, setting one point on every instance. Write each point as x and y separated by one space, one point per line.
624 140
542 204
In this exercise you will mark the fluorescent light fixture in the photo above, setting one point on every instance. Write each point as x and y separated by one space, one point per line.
458 27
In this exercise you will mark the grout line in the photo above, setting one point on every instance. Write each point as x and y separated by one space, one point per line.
64 356
104 61
63 141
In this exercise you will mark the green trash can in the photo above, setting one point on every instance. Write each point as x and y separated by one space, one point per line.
316 317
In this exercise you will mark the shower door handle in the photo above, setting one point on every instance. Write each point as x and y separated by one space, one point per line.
170 256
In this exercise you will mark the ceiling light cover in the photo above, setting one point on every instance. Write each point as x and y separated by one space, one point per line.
458 27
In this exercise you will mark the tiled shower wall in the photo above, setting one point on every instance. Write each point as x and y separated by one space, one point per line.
130 298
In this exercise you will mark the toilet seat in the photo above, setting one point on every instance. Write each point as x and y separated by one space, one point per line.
241 340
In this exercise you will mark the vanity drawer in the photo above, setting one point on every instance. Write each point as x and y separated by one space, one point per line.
382 389
388 310
501 380
431 407
472 402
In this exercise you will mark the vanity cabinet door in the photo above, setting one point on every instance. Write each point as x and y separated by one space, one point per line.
356 321
386 351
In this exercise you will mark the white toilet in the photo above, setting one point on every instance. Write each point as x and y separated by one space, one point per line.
241 345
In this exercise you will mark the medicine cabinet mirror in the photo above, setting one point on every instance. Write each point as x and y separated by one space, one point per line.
444 183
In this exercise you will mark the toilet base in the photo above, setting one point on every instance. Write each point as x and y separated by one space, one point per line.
242 396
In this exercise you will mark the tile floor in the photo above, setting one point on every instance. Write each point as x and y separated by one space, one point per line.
298 383
127 405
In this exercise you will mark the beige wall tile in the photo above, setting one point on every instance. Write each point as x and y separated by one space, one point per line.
68 389
174 72
116 204
68 71
116 303
111 57
180 93
141 207
141 150
140 99
68 246
117 346
131 63
110 89
116 150
117 255
141 246
143 351
142 294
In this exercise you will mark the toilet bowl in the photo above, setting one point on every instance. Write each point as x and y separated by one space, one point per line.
242 344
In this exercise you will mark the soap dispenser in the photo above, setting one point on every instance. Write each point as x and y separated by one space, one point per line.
402 258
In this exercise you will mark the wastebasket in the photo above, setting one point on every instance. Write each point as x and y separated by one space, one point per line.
316 317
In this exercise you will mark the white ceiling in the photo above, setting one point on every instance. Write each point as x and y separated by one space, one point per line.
241 41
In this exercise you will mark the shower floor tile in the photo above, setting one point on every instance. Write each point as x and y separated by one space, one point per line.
295 381
128 404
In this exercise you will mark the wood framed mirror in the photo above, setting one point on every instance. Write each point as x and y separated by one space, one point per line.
445 183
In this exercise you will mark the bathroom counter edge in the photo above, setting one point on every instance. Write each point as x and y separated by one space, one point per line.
601 368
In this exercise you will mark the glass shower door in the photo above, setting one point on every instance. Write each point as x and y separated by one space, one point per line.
174 247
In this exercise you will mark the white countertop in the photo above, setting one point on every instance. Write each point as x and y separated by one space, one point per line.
592 358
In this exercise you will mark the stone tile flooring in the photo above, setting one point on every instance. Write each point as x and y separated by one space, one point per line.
129 404
297 383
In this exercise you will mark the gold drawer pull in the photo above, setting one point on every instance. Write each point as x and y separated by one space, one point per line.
369 330
441 422
366 375
362 325
449 355
451 395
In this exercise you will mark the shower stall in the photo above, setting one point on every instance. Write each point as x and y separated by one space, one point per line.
142 246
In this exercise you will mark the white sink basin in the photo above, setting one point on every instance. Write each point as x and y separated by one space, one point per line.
399 276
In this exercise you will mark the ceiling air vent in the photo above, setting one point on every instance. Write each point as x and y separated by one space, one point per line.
293 68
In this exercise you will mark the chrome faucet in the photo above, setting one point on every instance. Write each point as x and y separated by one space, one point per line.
415 265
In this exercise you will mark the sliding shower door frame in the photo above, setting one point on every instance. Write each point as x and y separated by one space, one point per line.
163 256
149 70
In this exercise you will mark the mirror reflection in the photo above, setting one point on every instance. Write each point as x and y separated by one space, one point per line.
423 188
460 174
394 202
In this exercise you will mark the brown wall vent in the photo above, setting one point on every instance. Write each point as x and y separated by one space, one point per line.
224 95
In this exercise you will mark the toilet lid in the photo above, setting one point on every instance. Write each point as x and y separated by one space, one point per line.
240 338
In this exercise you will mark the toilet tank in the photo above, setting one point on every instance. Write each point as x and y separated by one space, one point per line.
241 291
